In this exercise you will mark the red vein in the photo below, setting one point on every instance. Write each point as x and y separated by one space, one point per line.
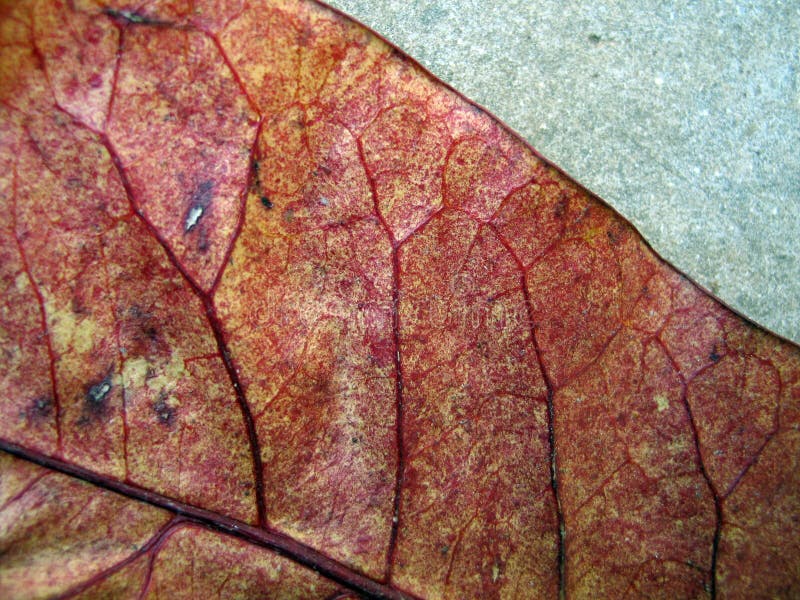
712 586
156 548
42 314
153 543
16 497
551 419
216 329
399 413
237 230
234 73
265 537
551 440
399 401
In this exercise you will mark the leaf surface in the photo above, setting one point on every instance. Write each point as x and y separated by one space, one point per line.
285 316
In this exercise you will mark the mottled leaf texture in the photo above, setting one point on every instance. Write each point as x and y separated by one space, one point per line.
284 317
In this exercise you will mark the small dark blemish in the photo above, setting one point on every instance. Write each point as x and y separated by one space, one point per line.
714 356
255 180
125 15
398 54
78 307
594 38
141 332
322 169
40 408
246 487
477 110
561 207
203 244
198 205
164 412
266 202
131 17
95 399
97 392
150 332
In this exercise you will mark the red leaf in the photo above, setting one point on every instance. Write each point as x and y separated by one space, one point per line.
283 315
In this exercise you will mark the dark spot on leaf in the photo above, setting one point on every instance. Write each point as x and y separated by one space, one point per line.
714 356
266 202
560 208
477 110
594 38
78 306
95 398
321 170
203 244
246 487
255 181
199 204
39 409
398 54
132 17
96 393
164 412
141 333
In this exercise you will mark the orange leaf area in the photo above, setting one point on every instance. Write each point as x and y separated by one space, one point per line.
285 317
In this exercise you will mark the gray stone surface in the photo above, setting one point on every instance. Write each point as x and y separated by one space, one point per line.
684 116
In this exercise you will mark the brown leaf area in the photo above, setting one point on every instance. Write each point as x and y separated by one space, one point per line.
284 317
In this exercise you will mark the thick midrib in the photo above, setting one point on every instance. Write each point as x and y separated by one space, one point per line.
264 537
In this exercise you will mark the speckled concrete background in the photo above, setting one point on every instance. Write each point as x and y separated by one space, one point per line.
686 118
